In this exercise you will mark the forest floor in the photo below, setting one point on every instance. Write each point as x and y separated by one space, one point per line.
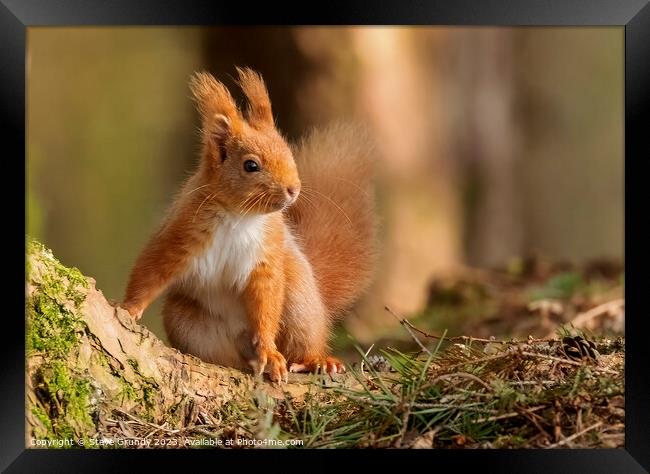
543 368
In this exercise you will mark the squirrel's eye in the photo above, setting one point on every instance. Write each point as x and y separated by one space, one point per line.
251 166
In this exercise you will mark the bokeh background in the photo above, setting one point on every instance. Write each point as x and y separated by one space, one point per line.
496 145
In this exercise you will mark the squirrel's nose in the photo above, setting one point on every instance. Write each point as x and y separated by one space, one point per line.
292 191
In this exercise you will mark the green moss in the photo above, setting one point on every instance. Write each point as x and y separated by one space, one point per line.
76 393
68 397
127 390
41 416
37 250
149 395
53 323
50 327
139 392
103 360
143 391
149 386
54 326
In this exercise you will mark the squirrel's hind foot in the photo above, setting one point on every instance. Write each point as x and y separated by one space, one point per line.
329 365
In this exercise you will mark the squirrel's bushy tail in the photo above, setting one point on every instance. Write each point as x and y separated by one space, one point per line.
334 216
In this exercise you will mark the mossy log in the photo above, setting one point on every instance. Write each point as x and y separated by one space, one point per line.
87 359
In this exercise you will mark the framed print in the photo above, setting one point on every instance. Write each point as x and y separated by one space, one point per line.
402 228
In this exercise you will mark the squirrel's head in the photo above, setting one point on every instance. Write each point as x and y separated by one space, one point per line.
245 156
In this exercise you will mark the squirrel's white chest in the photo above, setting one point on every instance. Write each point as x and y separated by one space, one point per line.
215 278
229 258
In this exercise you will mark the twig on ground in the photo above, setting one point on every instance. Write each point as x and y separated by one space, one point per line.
408 326
509 415
566 361
364 357
143 422
529 414
459 374
574 436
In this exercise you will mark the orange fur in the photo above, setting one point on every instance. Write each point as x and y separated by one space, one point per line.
254 267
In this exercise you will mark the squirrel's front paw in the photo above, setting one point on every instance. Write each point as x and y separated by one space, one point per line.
271 361
134 310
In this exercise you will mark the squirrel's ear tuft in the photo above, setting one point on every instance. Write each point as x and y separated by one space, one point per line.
213 99
220 127
259 113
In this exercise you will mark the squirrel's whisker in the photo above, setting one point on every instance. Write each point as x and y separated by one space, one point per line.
309 190
250 196
201 205
196 189
253 202
257 200
307 200
267 201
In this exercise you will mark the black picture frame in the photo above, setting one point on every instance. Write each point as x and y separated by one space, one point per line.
633 15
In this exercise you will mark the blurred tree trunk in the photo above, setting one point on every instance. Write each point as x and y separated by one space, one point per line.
486 140
400 93
571 83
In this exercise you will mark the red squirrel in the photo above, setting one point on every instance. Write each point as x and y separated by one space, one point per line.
266 244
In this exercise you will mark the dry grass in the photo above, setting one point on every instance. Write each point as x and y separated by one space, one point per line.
483 395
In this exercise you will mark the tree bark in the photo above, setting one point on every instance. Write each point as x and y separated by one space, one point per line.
87 358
